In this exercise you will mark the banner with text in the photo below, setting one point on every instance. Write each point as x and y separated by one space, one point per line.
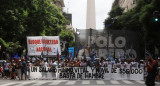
43 45
86 73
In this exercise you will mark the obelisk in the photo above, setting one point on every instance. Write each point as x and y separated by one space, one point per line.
91 16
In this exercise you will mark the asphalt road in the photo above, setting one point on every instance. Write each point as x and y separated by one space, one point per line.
72 83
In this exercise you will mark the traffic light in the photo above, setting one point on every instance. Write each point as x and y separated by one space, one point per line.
156 19
156 16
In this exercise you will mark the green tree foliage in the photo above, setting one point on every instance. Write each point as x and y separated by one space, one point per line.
140 19
67 35
21 18
111 21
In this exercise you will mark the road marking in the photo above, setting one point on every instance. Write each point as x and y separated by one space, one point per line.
85 82
38 83
70 82
24 83
55 83
141 82
114 82
157 82
7 84
100 82
127 82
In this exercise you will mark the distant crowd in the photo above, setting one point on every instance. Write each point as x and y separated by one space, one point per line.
18 69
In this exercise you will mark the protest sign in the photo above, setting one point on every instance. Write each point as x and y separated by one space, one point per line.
43 45
85 73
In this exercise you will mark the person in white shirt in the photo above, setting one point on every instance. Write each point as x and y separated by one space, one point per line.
141 64
122 68
34 60
134 65
6 69
109 64
44 63
123 65
128 68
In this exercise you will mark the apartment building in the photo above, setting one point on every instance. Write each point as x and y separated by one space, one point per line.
126 4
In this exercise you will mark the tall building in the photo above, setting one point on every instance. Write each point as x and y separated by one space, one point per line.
91 15
126 4
58 3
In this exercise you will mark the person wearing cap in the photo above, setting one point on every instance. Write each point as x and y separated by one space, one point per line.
151 69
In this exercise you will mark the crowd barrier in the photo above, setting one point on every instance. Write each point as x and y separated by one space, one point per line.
85 73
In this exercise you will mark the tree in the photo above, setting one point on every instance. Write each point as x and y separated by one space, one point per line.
140 19
111 21
21 18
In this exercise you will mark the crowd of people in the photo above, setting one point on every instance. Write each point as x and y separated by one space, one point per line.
13 69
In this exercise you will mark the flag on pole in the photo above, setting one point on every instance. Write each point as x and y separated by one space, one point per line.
57 55
16 57
77 51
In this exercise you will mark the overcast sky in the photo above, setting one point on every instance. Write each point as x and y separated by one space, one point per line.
78 10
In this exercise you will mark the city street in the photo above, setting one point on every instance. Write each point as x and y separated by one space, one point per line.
72 82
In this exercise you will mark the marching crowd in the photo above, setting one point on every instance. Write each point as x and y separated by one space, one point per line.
14 69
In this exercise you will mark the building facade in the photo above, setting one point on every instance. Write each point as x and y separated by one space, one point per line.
125 4
58 3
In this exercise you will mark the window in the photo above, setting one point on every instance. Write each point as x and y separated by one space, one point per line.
133 1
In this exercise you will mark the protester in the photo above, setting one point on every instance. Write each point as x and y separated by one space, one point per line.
158 75
1 70
83 63
24 69
134 64
151 69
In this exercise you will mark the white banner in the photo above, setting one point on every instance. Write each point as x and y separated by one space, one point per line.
43 45
85 73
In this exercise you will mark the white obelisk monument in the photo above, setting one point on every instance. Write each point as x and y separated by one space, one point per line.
91 16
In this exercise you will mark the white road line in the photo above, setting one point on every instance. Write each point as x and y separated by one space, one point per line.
70 82
100 82
24 83
157 82
55 83
38 83
7 84
141 82
114 82
127 82
85 82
